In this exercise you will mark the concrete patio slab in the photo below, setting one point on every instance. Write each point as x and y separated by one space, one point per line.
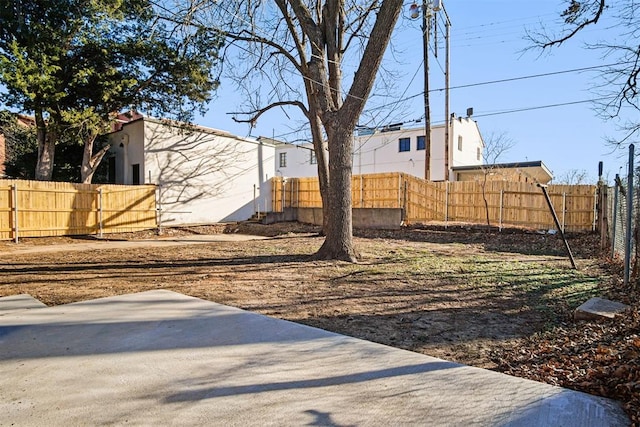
161 358
14 303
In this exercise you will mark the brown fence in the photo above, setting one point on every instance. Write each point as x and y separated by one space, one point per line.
37 209
507 203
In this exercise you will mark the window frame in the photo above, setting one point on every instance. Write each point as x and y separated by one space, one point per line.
404 145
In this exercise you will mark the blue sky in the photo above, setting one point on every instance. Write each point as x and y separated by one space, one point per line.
487 44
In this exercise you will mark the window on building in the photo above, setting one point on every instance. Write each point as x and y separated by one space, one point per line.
313 159
282 160
405 144
459 142
421 143
479 154
136 174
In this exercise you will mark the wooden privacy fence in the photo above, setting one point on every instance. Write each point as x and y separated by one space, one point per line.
38 208
512 204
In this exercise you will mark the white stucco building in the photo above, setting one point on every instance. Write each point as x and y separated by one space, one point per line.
205 175
395 149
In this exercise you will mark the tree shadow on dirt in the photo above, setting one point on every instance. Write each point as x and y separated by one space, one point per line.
150 266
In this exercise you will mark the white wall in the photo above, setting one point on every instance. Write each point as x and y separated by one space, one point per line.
298 160
206 176
380 152
468 130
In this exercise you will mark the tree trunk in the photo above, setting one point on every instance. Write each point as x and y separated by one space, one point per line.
46 148
338 244
319 147
91 162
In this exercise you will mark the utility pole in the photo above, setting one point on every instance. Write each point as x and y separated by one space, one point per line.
439 5
426 29
427 8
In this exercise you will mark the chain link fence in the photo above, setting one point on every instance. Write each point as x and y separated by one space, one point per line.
622 213
618 205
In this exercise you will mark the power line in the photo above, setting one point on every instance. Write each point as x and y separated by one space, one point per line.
533 76
510 79
540 107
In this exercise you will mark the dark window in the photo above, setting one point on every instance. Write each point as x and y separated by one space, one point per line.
136 174
313 159
405 144
421 144
283 160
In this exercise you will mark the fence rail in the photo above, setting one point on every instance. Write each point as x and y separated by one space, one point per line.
38 209
502 203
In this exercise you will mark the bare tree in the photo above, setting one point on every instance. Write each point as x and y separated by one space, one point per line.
495 146
617 85
298 49
573 177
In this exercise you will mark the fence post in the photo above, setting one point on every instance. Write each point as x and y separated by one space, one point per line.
273 195
361 192
615 216
284 193
14 190
595 211
100 212
405 206
627 249
291 193
159 208
603 214
399 190
500 213
564 209
446 203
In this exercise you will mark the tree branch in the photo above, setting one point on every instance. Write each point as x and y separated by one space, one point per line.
261 40
573 12
259 112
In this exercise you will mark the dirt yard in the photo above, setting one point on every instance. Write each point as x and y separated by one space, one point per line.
501 301
459 294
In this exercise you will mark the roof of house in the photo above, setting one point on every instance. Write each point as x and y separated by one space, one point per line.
190 126
537 170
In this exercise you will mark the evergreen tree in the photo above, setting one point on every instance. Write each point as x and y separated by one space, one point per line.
73 64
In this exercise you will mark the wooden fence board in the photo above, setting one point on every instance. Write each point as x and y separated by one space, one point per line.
59 208
516 204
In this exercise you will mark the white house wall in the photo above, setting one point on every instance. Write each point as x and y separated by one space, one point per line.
128 147
471 141
297 160
204 177
380 152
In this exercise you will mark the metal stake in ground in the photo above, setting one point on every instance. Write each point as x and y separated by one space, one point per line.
555 219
